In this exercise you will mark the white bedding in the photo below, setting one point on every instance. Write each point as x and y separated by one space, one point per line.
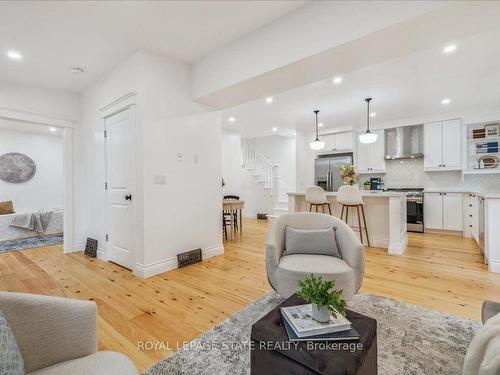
55 226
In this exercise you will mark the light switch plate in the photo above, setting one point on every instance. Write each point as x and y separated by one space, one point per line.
159 179
179 156
195 158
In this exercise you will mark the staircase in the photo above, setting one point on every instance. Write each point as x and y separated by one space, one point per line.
267 174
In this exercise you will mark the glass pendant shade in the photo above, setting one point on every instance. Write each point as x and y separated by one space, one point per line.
317 145
368 137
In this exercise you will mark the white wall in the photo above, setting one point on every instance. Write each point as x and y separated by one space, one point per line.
45 189
185 213
53 103
231 163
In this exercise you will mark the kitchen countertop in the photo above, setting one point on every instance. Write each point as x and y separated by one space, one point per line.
487 194
364 193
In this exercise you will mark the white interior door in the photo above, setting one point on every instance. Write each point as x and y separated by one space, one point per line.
120 180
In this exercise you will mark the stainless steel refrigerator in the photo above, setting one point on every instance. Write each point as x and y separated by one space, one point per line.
327 170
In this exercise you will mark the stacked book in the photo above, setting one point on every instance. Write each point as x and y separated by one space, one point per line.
487 147
300 326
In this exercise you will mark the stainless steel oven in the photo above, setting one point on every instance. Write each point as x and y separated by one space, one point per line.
414 208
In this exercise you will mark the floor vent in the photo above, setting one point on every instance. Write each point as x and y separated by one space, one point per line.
189 257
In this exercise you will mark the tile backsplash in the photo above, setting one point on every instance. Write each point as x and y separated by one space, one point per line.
410 173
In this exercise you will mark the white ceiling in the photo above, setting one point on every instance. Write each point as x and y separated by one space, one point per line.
409 87
53 36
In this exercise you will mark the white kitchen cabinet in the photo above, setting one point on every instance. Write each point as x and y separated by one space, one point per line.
452 211
371 157
337 142
443 211
343 141
471 216
443 145
433 210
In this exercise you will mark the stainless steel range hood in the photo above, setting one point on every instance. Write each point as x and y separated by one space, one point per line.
405 142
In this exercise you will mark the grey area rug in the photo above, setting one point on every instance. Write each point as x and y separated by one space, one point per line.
411 340
27 243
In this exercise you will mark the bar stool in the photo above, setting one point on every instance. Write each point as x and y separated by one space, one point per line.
316 196
349 196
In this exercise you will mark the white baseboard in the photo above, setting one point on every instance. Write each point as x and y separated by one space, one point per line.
398 249
101 254
212 251
149 270
494 266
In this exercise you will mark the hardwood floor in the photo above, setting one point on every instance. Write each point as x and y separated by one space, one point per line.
441 272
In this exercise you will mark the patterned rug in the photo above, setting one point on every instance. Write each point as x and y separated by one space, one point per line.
27 243
411 340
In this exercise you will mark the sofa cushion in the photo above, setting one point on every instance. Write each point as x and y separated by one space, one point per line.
11 360
310 241
108 363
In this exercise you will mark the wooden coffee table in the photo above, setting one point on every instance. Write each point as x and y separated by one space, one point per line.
273 353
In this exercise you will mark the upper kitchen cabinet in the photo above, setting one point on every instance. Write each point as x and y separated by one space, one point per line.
371 157
443 145
337 142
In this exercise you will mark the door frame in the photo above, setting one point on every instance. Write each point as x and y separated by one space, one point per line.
8 113
125 102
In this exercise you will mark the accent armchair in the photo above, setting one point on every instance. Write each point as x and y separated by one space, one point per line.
58 336
285 272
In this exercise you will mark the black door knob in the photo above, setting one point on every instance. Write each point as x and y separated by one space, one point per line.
128 197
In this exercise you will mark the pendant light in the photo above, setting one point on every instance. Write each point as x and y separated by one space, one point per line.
317 144
368 136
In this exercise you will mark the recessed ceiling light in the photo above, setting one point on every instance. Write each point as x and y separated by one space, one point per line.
52 129
269 99
337 80
445 101
231 119
450 48
275 129
373 114
14 55
320 124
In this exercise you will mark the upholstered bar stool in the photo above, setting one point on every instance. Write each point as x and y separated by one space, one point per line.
316 196
350 196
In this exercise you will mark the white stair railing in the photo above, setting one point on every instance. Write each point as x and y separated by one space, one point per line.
258 164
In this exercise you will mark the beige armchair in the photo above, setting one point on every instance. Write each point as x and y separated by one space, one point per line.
285 272
58 336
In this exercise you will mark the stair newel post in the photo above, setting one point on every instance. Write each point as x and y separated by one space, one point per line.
275 184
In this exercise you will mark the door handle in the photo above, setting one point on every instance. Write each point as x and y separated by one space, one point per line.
128 197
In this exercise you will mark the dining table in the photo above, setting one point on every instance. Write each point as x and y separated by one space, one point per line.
234 206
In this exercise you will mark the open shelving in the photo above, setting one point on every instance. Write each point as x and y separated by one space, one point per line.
472 157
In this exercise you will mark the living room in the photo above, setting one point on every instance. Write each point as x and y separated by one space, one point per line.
191 149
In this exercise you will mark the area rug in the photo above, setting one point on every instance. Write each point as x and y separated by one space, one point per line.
411 340
27 243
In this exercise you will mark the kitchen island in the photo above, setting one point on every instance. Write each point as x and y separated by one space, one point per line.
385 216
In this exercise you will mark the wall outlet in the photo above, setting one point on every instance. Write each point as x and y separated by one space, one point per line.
159 179
179 156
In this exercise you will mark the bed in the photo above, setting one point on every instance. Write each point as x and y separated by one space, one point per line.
7 232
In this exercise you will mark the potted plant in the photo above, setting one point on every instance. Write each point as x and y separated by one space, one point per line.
349 175
367 184
323 297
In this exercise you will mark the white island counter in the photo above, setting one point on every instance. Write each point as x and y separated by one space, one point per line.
385 216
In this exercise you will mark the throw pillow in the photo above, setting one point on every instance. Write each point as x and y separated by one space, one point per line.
6 208
311 241
11 360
